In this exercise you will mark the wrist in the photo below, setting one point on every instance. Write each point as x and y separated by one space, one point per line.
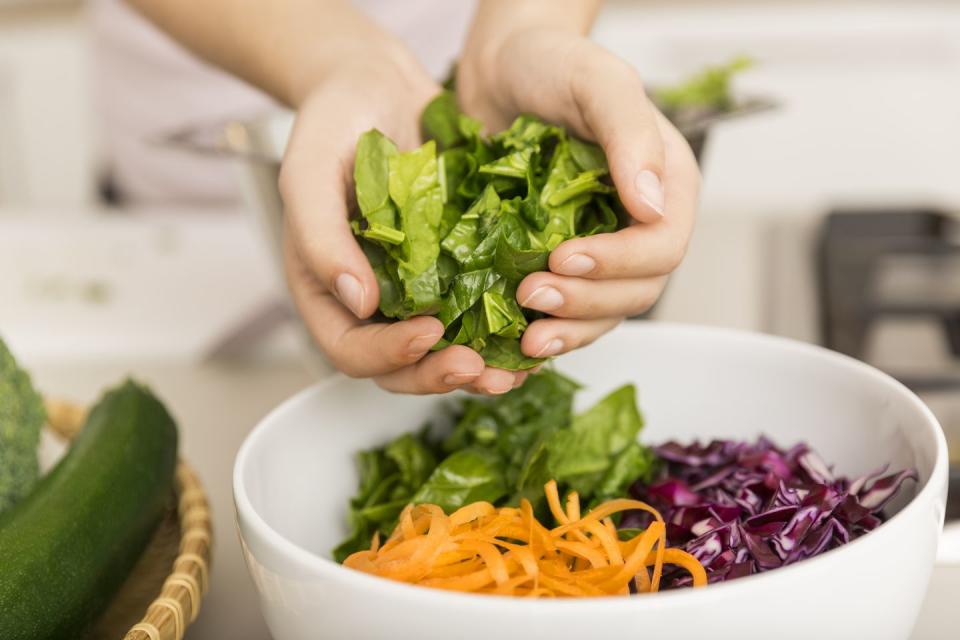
373 67
497 29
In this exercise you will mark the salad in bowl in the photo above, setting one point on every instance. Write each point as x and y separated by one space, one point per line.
692 482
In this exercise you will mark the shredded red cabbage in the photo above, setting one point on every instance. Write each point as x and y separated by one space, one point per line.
742 508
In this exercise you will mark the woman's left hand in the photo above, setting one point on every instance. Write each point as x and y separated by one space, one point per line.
563 77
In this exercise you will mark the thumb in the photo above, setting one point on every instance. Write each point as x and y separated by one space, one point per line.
314 191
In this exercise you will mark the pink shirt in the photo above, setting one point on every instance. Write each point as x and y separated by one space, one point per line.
149 86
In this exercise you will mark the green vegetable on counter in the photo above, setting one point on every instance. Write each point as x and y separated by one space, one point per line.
501 450
451 228
67 547
21 418
707 90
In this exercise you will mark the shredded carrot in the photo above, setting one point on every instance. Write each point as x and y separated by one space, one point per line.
506 551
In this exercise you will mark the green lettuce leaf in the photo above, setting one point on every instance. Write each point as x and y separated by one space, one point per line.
582 455
467 476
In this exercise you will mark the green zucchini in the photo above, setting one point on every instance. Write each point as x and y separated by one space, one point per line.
67 547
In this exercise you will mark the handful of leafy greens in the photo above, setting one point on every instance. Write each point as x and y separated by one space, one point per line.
500 450
451 228
21 417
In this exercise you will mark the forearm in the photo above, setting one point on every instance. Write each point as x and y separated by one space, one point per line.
495 18
284 47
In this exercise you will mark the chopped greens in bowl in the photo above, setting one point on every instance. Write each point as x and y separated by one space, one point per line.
736 507
501 450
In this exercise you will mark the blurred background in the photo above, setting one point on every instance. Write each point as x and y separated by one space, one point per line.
137 215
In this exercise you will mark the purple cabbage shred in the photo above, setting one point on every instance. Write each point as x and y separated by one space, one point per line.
743 508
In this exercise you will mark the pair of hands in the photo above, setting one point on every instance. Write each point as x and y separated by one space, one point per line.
593 283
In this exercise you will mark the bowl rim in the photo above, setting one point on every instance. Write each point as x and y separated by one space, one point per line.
248 516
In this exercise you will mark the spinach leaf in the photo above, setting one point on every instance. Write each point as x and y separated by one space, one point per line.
547 396
503 450
467 476
581 455
532 474
504 353
389 476
413 458
503 315
447 270
708 89
441 121
371 175
465 290
388 278
453 233
514 256
633 463
477 425
465 236
415 188
528 131
514 165
374 467
588 156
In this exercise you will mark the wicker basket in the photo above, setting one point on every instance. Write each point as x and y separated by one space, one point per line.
162 595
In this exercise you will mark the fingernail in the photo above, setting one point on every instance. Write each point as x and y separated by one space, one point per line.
519 379
420 344
577 264
496 391
552 348
456 379
544 299
501 383
350 292
651 190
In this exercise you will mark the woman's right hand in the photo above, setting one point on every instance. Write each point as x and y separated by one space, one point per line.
329 276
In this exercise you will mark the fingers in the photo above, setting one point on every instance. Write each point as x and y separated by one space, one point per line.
642 250
366 350
396 354
356 348
495 381
439 372
313 184
566 297
600 97
639 251
551 336
615 108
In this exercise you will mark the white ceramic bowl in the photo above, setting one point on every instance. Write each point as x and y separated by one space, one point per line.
295 473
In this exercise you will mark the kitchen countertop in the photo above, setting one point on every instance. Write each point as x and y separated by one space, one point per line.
159 325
